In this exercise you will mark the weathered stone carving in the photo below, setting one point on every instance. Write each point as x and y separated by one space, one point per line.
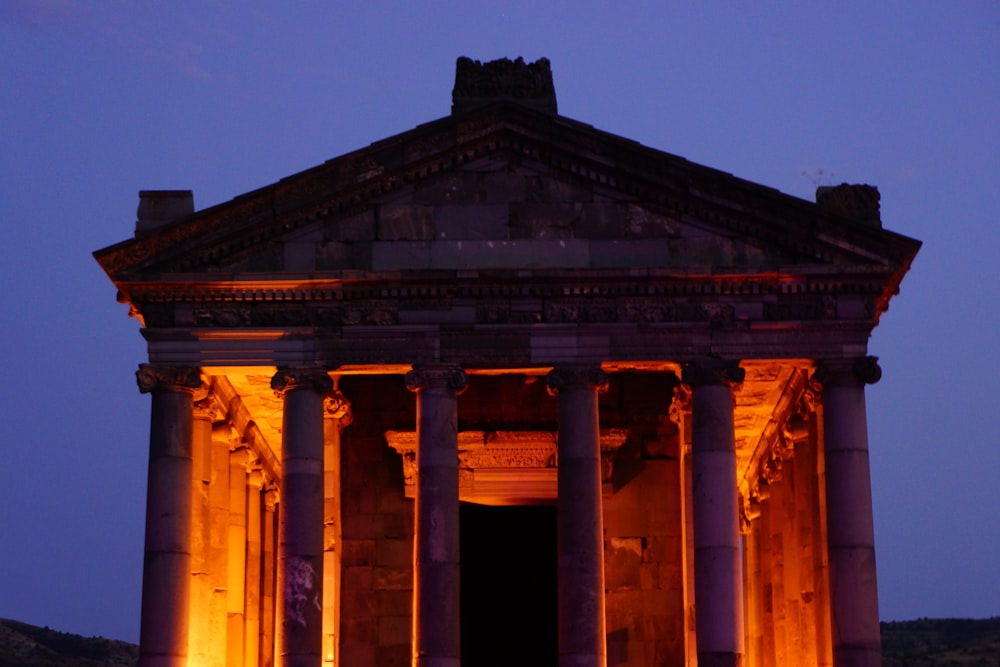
565 377
680 404
222 316
860 202
504 451
448 375
206 406
848 371
711 371
156 377
515 449
336 406
718 313
310 377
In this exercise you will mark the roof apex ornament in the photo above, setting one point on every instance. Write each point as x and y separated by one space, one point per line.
161 207
529 84
860 202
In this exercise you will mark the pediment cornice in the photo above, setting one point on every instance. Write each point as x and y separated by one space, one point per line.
507 133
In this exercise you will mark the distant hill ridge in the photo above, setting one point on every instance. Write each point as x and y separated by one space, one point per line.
937 642
24 645
925 642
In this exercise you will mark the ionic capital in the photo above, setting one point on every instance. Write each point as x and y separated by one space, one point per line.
205 406
313 378
437 376
271 498
805 404
576 377
847 372
712 372
336 406
158 377
680 403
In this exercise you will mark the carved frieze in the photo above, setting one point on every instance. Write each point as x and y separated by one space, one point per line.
269 314
492 304
514 456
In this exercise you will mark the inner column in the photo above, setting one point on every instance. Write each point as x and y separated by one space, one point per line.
580 532
717 577
436 628
337 412
300 523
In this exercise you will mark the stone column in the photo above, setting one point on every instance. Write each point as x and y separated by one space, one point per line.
200 615
166 572
755 587
580 536
337 413
680 414
219 546
767 568
717 577
300 523
436 638
237 556
251 607
850 528
269 541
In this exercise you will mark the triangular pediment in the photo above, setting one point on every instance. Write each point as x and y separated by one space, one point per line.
505 189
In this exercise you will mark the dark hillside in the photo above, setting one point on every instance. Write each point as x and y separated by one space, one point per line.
926 642
23 645
940 642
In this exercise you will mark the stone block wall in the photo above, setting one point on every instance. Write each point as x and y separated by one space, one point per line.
377 534
642 567
518 214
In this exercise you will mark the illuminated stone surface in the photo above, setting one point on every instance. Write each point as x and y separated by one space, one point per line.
728 521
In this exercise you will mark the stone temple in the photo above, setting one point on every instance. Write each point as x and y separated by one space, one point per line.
505 389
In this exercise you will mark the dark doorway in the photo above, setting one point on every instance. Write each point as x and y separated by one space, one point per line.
509 608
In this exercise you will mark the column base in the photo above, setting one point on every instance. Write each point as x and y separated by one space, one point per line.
720 660
437 662
582 660
859 657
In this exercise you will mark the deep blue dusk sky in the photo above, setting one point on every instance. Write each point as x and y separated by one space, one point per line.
102 98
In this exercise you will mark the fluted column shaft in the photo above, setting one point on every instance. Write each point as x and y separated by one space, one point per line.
218 625
337 411
300 531
717 574
237 555
268 616
436 613
166 572
580 533
199 616
850 527
251 592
